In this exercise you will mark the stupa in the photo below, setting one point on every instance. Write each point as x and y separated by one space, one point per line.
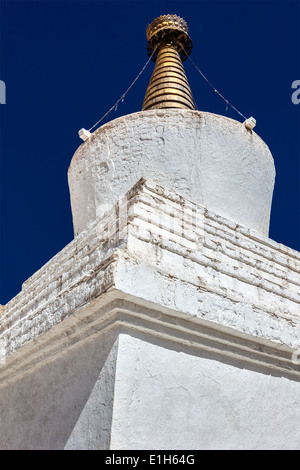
171 321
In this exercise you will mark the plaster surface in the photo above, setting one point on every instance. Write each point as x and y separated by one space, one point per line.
63 404
209 159
170 397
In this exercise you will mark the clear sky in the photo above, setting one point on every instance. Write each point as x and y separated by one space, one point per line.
65 63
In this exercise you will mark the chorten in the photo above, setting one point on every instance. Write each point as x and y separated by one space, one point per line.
171 321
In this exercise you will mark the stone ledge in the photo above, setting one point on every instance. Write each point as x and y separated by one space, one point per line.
123 313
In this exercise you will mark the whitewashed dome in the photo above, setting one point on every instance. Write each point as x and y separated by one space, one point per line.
212 160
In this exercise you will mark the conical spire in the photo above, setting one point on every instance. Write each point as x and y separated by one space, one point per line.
168 87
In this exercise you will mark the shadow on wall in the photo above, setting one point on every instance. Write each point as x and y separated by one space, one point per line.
48 409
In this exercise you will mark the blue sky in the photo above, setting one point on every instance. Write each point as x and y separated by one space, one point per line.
65 63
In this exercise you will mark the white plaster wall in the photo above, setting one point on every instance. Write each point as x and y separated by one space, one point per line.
169 397
210 159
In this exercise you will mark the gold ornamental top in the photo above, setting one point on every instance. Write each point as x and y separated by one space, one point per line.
170 28
169 44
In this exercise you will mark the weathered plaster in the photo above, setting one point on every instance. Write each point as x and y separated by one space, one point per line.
63 404
169 398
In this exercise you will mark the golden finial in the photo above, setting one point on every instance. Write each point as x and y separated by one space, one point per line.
172 27
169 44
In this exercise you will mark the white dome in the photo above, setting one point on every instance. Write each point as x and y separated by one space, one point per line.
210 159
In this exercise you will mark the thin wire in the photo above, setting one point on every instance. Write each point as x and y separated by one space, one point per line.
124 94
214 88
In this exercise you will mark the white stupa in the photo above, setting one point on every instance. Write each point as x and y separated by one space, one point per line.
171 321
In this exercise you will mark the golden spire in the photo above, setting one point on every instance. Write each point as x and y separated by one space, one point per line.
168 87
